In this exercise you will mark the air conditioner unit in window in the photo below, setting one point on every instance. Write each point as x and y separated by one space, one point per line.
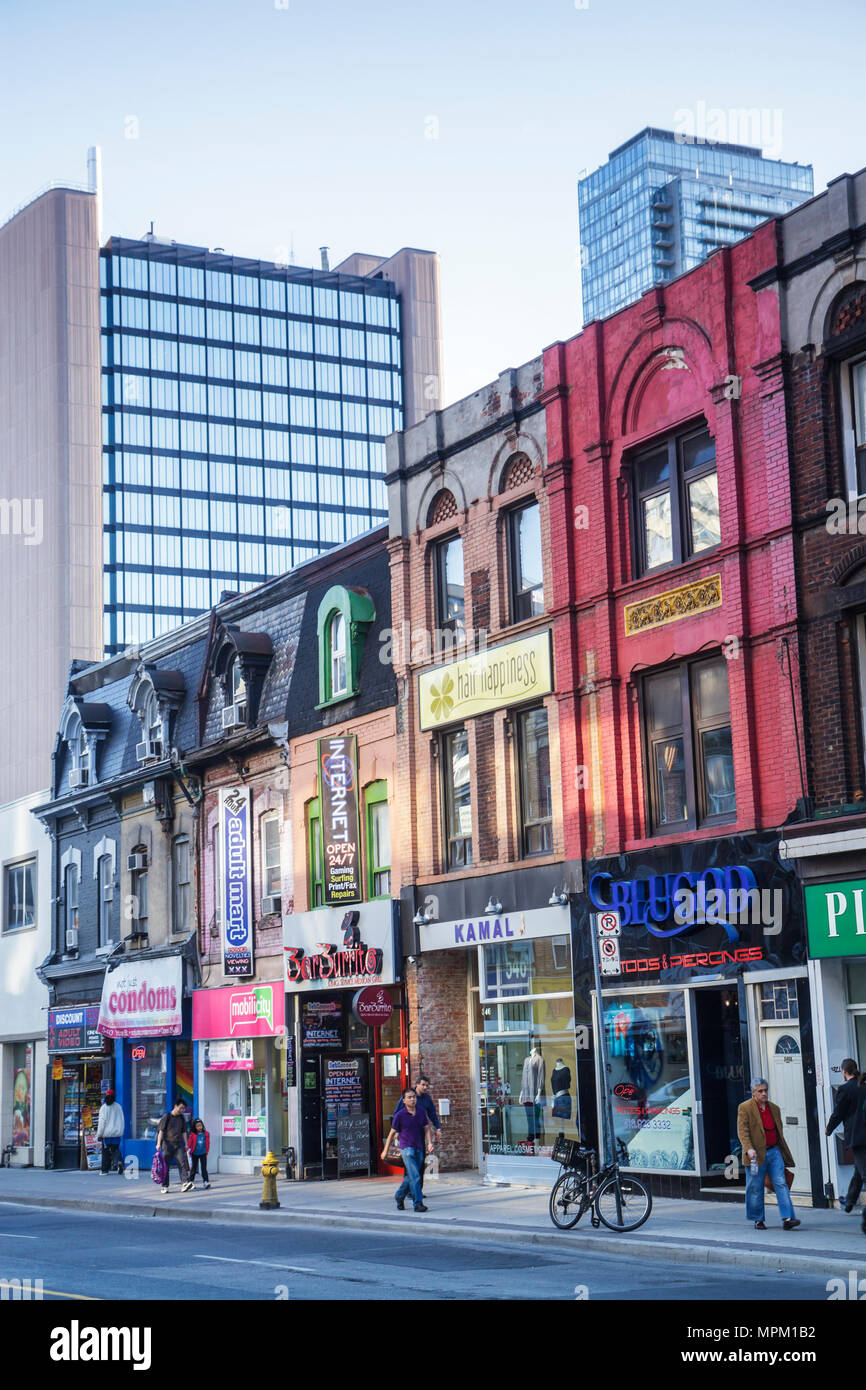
72 940
78 777
271 905
135 862
150 750
234 716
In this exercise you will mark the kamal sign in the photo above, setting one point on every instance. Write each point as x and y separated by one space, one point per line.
235 886
836 918
486 680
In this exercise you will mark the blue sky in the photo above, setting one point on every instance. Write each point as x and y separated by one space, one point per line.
258 126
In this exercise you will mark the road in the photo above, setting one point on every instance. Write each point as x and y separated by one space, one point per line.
90 1255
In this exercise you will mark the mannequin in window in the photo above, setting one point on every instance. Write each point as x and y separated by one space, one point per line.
560 1085
532 1092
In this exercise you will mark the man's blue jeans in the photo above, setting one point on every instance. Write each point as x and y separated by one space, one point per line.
773 1164
412 1161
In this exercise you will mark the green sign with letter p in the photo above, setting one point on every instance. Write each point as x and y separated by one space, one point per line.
836 918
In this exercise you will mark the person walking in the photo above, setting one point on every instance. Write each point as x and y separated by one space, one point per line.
171 1139
199 1148
425 1104
412 1128
759 1126
109 1129
851 1114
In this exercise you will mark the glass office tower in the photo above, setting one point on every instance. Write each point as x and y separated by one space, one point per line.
663 202
245 408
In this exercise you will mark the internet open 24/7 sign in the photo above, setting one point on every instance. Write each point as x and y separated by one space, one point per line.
609 931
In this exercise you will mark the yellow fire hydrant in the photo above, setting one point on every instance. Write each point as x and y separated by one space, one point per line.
270 1168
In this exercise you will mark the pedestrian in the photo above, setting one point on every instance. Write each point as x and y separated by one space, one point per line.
199 1148
171 1139
109 1129
759 1125
851 1114
425 1104
412 1128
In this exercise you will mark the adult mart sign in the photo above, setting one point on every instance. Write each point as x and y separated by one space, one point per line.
836 918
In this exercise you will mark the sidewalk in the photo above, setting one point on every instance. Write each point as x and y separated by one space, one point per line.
461 1206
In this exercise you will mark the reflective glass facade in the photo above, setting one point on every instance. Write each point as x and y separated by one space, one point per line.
661 204
245 408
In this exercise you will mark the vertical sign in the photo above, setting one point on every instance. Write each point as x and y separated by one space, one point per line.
338 783
609 932
236 884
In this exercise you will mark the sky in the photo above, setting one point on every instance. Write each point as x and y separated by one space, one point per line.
266 125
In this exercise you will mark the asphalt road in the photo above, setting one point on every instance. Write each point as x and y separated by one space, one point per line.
90 1255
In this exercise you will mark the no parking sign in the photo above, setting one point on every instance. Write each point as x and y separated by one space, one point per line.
609 931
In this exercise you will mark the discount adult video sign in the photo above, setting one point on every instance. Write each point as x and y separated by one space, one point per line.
341 850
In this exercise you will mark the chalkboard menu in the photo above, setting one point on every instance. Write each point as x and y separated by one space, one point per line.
353 1143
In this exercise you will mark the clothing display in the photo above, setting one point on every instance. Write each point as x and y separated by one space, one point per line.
533 1077
560 1085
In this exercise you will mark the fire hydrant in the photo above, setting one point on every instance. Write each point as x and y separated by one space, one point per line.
270 1168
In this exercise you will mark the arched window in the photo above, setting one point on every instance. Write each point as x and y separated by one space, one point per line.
338 655
238 684
343 618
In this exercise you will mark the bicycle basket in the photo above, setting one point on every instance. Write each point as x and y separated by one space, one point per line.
566 1151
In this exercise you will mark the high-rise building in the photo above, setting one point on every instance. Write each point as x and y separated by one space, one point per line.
663 202
245 411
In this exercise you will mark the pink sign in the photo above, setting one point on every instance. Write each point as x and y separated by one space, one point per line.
232 1126
241 1011
254 1127
372 1006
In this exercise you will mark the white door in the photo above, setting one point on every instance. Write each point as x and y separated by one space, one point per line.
785 1075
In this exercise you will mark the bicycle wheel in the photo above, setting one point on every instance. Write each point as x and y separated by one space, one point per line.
568 1201
632 1208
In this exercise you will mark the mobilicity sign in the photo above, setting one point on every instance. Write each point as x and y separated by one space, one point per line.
836 918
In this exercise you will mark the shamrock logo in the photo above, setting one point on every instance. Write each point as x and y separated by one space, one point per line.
440 700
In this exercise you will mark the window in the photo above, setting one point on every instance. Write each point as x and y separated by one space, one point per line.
139 895
105 897
378 841
238 684
676 501
858 401
450 588
343 619
457 799
688 740
70 897
272 873
526 570
180 884
314 854
338 655
19 895
533 756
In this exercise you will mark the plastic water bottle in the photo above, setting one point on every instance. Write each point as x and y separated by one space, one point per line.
753 1167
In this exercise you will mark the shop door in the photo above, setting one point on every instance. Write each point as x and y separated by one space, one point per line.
785 1075
391 1082
330 1086
67 1139
722 1087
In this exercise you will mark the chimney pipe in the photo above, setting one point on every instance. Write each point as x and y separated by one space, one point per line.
323 252
94 183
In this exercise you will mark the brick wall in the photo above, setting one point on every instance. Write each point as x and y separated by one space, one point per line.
439 1045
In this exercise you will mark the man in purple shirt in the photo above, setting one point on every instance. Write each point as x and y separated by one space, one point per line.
411 1127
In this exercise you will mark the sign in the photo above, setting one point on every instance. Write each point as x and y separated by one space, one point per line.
512 926
141 998
231 1126
246 1011
322 1025
341 851
372 1007
656 899
57 1069
230 1054
353 1143
609 931
835 919
74 1029
138 1054
607 924
236 881
254 1127
486 680
332 949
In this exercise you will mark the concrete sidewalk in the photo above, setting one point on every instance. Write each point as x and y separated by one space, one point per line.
461 1206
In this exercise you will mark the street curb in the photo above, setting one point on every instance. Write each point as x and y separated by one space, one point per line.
638 1245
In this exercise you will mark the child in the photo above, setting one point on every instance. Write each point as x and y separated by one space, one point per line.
199 1147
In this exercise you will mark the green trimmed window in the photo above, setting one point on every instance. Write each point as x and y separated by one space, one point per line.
315 858
343 618
378 840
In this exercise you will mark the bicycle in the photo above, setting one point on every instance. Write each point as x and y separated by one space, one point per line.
620 1202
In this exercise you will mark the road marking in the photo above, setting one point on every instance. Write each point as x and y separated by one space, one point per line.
269 1264
88 1297
7 1235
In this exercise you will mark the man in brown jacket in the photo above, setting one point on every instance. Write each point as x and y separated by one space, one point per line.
759 1126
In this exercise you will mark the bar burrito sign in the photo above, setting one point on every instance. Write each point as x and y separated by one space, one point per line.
235 875
142 999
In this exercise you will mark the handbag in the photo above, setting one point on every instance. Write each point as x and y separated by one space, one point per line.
159 1168
789 1178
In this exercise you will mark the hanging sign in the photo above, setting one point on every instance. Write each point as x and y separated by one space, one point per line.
142 999
338 781
372 1006
74 1029
236 881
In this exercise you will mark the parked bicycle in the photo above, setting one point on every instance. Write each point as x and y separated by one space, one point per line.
619 1201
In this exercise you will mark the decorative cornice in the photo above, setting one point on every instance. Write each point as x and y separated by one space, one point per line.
684 602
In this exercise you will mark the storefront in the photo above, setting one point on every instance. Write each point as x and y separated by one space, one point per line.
522 1032
348 1021
710 987
81 1070
245 1069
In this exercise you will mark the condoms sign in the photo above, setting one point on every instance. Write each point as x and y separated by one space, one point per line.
252 1011
142 999
236 885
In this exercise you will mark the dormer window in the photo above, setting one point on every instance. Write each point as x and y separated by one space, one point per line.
343 618
152 746
154 695
81 727
338 655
